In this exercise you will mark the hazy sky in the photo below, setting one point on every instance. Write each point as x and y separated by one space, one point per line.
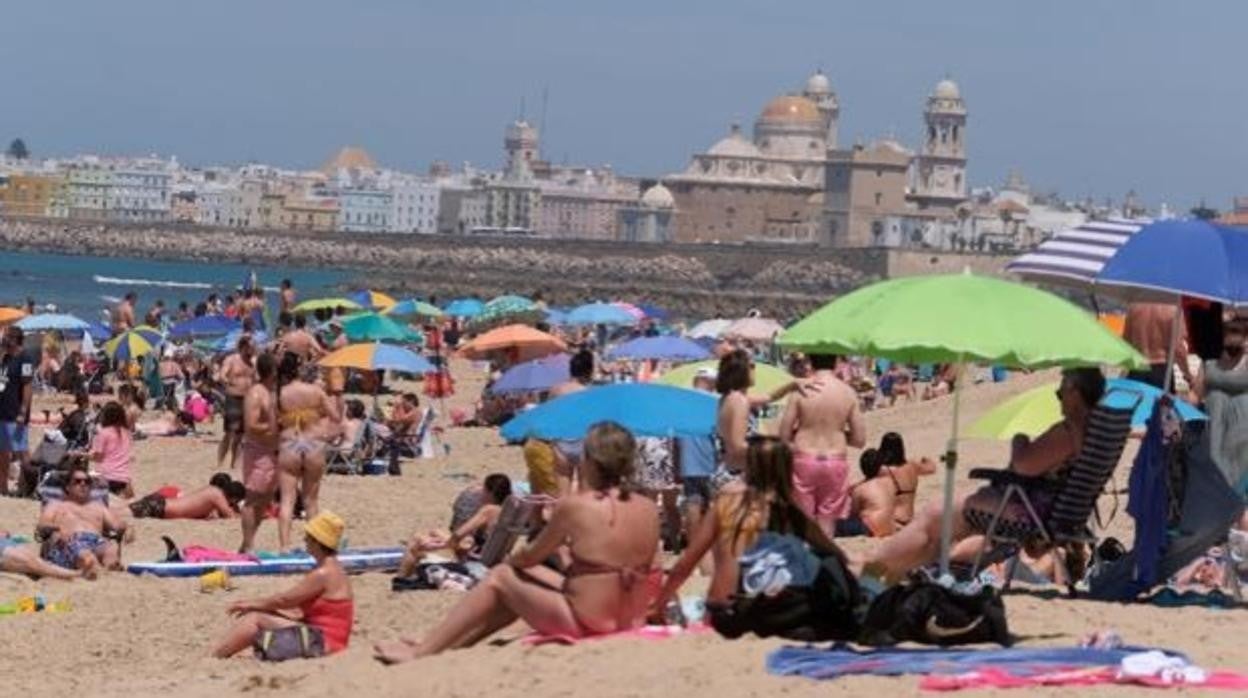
1086 96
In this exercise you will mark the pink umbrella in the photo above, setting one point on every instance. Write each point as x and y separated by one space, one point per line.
755 329
637 313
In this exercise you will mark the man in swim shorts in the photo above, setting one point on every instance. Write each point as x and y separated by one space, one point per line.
237 375
820 425
22 558
259 446
73 529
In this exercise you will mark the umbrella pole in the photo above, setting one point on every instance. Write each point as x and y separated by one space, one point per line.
951 462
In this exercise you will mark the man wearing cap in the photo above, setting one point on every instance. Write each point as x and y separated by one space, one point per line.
17 372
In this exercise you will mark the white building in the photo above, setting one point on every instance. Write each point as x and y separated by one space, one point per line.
364 210
414 203
140 191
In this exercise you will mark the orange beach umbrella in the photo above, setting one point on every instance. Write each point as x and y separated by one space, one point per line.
529 343
8 315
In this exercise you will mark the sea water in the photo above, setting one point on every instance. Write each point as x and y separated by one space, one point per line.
84 285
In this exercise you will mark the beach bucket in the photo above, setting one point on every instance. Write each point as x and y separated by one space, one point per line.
214 580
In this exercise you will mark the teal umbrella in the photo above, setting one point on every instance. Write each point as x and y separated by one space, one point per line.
372 327
959 318
505 306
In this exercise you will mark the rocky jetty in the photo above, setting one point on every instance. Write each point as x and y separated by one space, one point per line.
694 280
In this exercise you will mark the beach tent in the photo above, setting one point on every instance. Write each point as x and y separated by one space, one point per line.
959 319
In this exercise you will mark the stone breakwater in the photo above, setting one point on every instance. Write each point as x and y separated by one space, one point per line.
694 280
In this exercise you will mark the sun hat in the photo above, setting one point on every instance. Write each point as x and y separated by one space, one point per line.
707 372
325 528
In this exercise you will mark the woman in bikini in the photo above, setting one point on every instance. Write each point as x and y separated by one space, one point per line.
305 413
736 420
740 513
883 502
611 536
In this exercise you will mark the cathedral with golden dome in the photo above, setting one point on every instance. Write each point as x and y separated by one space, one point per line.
791 182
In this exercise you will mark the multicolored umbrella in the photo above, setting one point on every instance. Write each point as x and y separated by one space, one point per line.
128 346
959 318
534 376
372 327
600 314
378 357
316 304
414 308
526 341
659 348
372 299
1034 411
43 322
464 307
645 409
637 313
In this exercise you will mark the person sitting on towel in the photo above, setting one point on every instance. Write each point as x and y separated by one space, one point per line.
473 516
1047 457
219 500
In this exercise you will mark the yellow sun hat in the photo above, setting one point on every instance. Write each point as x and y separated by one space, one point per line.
326 528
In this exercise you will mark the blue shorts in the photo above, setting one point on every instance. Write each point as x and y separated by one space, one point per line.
13 437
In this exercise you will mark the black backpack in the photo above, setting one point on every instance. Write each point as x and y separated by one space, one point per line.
923 611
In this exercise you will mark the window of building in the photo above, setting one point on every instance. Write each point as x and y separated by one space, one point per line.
879 198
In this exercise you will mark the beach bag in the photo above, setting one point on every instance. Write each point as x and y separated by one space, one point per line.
294 642
801 597
928 613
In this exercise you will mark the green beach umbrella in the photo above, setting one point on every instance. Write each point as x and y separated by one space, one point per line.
414 308
325 304
372 327
959 318
503 307
767 378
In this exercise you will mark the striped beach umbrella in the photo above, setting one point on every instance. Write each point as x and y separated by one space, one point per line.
128 346
378 357
372 299
1074 257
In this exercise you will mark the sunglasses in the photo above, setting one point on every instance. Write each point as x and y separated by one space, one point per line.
79 481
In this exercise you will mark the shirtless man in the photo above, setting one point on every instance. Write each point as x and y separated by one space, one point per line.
1148 327
237 375
288 296
300 342
123 314
820 426
218 500
74 528
251 303
260 447
567 453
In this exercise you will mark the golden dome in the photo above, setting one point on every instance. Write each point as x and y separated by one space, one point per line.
791 109
350 158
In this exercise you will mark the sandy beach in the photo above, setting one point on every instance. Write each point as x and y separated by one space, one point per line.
144 636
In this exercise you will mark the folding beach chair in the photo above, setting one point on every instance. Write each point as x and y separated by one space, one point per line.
349 458
520 517
1067 526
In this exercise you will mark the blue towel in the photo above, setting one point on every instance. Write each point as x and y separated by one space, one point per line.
840 660
1147 502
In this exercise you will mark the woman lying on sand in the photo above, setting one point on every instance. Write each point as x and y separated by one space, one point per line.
322 599
611 537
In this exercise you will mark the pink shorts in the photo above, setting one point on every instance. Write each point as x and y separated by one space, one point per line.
259 468
821 486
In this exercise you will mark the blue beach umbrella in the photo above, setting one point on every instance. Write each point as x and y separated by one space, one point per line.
653 312
1170 259
600 314
646 409
230 341
51 321
534 376
556 316
464 307
98 331
660 348
205 326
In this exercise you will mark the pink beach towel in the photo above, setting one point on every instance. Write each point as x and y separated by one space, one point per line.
202 553
998 678
645 632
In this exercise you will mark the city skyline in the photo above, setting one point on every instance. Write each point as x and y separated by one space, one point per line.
1073 97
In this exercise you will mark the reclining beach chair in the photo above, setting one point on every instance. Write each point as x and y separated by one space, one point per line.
520 517
350 458
1067 526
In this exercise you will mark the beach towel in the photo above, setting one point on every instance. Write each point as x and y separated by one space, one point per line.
1149 492
840 660
203 553
997 678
